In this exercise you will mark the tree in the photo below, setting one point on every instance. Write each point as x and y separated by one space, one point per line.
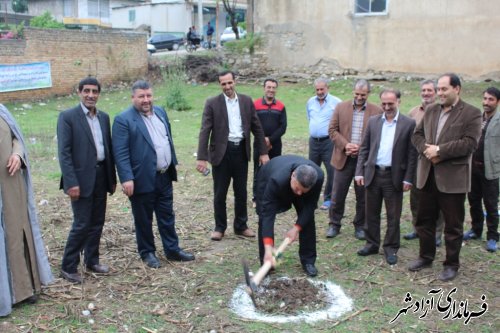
230 7
20 6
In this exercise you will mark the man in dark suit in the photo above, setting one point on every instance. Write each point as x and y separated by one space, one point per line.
386 165
224 141
88 172
346 129
445 140
285 181
145 160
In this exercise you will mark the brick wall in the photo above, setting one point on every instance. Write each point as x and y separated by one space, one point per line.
74 54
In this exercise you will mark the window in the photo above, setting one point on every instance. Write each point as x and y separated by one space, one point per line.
131 15
367 7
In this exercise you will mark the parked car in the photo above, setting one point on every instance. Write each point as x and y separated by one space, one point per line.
228 34
166 41
151 48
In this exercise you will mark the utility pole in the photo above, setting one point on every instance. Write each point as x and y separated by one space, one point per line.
217 29
200 18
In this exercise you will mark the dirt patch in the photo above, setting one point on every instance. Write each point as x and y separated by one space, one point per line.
290 296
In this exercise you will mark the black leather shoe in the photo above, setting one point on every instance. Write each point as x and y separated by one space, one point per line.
332 231
410 236
72 277
151 260
367 250
98 268
419 264
392 259
360 234
180 256
448 274
310 269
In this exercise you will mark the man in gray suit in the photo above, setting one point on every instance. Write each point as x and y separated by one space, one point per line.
224 141
445 140
88 172
386 165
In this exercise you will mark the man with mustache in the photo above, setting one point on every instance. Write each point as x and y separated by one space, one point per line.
88 172
485 173
428 95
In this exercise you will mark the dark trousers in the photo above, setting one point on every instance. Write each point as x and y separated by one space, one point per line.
484 191
414 202
452 206
161 203
341 183
380 189
320 151
88 221
274 152
234 165
307 242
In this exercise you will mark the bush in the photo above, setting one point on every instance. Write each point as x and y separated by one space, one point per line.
173 76
45 21
242 45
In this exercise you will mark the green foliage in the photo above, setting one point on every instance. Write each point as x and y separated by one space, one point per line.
18 30
45 21
20 6
243 25
244 45
174 79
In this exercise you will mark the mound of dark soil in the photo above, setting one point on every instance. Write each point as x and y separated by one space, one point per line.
290 296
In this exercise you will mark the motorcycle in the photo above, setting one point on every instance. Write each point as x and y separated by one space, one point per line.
193 44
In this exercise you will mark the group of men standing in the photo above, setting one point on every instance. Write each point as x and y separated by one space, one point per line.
376 146
432 153
440 153
142 150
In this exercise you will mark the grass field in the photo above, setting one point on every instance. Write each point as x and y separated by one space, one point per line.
194 297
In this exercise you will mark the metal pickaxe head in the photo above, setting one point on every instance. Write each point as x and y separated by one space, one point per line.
251 286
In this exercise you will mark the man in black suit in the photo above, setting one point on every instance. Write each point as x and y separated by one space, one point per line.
224 141
285 181
386 166
146 163
88 172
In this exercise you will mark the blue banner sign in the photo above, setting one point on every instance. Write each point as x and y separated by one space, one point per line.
15 77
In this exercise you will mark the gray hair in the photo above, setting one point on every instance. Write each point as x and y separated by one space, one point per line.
396 92
306 175
424 82
321 80
361 83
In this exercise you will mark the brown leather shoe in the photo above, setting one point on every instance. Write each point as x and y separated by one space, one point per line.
448 274
72 277
98 268
245 233
419 264
216 235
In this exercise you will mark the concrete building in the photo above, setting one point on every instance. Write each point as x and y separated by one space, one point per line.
424 36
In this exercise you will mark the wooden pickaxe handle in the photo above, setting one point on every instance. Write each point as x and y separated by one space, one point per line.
261 273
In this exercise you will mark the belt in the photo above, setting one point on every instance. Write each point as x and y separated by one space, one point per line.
323 138
234 143
99 164
162 171
383 168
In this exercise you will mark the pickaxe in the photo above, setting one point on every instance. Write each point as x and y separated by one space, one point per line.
254 281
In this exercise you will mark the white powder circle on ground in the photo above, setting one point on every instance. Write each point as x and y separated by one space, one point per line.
242 305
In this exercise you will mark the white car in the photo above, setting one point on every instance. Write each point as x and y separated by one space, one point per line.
151 48
228 34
